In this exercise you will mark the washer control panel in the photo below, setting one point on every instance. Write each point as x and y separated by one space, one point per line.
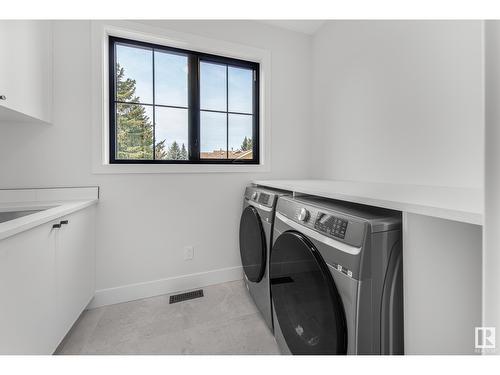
328 222
260 196
331 225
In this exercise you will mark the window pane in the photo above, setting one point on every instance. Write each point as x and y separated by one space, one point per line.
171 134
240 85
134 74
213 133
240 136
134 131
171 79
213 86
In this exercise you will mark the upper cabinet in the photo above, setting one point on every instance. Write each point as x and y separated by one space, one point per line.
25 71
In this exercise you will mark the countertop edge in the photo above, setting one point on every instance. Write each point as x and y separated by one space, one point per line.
409 207
13 227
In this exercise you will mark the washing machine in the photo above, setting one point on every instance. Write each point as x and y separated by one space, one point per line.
336 278
256 228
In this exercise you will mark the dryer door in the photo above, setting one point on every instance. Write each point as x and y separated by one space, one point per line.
252 244
305 299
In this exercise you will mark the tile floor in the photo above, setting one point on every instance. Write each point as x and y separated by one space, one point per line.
224 321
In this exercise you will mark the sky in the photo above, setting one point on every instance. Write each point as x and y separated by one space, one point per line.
171 88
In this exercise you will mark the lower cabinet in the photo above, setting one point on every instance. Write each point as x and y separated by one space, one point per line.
47 278
28 292
75 267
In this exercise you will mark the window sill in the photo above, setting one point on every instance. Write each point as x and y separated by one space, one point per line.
178 168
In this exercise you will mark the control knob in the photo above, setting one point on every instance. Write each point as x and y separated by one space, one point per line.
303 214
254 195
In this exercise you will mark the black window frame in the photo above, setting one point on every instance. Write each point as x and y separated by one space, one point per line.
194 110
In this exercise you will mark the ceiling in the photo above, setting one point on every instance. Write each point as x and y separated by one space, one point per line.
301 26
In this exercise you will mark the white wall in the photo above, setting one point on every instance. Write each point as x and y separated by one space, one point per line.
442 285
399 102
144 221
491 236
402 102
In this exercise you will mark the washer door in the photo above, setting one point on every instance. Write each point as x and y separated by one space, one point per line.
252 244
305 299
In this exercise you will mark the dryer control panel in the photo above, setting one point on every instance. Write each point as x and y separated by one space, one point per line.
332 225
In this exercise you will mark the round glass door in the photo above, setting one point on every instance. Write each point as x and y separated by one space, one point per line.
305 299
252 244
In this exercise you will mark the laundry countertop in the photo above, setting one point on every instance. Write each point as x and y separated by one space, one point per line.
52 203
452 203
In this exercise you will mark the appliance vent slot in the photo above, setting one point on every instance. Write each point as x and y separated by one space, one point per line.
186 296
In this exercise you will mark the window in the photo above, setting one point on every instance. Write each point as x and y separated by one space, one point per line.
169 105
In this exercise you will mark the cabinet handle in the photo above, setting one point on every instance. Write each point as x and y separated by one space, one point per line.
3 97
63 222
56 226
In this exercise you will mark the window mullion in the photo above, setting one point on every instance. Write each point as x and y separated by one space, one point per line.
113 144
227 112
194 107
154 102
255 118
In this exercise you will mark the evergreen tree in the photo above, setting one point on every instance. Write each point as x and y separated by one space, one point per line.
244 145
247 144
184 154
174 152
134 128
160 152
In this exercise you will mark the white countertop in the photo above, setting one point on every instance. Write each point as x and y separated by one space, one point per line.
55 203
458 204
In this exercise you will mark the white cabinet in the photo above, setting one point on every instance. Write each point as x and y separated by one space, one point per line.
75 266
27 292
25 71
47 278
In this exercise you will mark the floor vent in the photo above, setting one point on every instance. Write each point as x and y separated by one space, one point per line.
186 296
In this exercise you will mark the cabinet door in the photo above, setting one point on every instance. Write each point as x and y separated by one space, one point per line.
75 266
25 70
27 292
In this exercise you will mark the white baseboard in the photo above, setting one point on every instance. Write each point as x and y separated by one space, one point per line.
147 289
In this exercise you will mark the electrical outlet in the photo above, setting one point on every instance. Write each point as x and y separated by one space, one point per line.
188 252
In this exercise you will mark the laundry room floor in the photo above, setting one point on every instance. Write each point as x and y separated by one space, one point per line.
224 321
